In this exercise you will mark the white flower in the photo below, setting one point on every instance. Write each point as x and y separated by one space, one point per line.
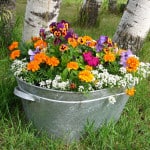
111 99
123 70
81 88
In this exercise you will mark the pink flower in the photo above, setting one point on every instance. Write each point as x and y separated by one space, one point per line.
94 61
87 56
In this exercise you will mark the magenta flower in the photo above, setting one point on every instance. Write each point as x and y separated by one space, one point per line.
87 56
94 61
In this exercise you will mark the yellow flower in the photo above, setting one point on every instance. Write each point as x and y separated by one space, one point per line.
73 65
81 40
86 76
109 57
87 67
63 47
73 42
131 91
132 64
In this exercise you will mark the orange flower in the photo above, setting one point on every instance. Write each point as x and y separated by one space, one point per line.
33 66
40 57
87 67
131 91
109 57
63 47
132 64
106 50
81 40
40 43
86 76
13 46
87 38
73 42
14 54
57 33
35 38
53 61
92 43
73 65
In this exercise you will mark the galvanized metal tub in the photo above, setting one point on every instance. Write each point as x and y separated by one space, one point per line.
64 114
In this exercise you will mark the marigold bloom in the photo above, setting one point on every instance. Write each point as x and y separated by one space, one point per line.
87 67
73 42
40 57
35 38
73 65
33 66
53 61
86 76
131 91
109 57
40 43
13 46
132 64
15 54
63 47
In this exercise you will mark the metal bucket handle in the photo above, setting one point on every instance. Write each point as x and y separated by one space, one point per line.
31 97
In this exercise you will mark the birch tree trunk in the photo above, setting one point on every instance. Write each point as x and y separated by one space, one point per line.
39 14
134 25
89 12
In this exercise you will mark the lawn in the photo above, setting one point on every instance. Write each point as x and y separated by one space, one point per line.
132 131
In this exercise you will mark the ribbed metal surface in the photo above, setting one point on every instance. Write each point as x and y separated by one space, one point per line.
64 114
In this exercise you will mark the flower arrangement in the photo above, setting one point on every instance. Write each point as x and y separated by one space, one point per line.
63 60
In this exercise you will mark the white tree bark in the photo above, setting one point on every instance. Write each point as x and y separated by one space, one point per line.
39 14
134 25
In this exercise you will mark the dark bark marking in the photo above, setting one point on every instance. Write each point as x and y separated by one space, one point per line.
28 22
45 16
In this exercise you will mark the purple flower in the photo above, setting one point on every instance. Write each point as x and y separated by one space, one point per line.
42 34
100 42
32 53
70 34
57 41
124 57
94 61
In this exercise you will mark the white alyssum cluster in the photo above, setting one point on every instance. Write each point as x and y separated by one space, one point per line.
46 84
144 69
57 83
19 66
111 99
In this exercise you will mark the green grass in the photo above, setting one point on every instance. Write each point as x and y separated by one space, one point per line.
132 131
